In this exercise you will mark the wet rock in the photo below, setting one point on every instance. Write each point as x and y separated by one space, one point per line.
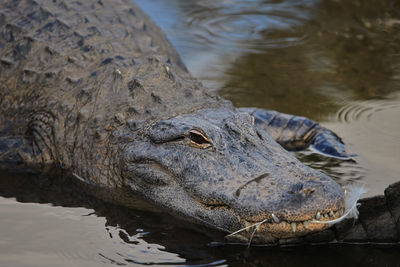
350 231
343 228
377 220
392 194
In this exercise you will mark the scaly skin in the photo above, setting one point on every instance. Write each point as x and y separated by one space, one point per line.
95 88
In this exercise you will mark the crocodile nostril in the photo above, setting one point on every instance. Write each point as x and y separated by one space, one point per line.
300 189
308 191
296 188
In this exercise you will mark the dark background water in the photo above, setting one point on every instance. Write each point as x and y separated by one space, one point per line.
337 62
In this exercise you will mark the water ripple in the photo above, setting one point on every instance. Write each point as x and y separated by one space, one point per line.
240 23
369 113
343 172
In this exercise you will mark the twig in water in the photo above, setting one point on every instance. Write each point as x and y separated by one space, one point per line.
256 225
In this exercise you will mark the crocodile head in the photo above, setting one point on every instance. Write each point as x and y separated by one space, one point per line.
215 167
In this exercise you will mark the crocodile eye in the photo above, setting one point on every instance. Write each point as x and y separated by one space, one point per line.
199 139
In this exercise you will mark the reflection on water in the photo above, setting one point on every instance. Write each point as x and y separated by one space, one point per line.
336 169
337 62
83 231
242 25
346 52
70 237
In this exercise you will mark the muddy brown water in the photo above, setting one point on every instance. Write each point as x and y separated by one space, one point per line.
337 62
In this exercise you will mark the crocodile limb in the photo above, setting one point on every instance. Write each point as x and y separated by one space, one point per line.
297 133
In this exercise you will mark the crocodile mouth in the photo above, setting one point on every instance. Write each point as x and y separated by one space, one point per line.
273 227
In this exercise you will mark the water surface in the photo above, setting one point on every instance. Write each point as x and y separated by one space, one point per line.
336 62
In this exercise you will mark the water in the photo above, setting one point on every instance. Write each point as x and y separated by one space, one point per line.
337 62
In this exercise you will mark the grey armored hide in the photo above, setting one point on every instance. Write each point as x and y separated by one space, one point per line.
95 89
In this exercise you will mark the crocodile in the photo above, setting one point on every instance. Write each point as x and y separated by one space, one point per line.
95 89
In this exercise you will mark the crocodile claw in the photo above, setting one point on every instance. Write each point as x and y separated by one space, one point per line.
330 145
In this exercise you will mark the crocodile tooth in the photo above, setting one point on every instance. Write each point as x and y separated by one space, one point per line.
305 224
331 214
318 216
284 223
293 224
336 213
341 212
276 220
